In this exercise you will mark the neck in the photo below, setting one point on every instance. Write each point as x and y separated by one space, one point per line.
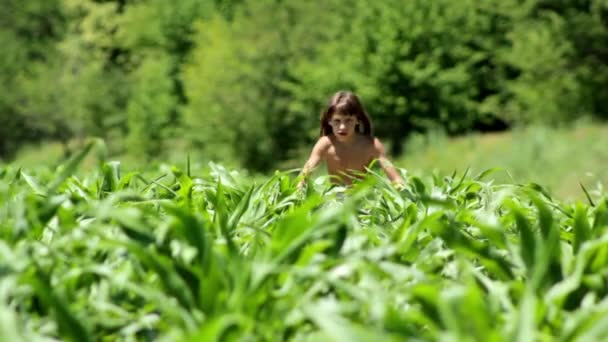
348 140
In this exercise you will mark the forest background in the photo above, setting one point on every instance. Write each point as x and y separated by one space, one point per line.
242 82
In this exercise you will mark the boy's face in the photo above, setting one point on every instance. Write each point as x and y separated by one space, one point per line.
343 126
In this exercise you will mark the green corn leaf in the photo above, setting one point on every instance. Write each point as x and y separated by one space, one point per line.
600 219
70 326
70 167
174 284
582 229
460 182
38 189
219 329
486 173
587 194
111 177
526 238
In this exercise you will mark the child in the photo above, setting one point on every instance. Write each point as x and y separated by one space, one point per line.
346 143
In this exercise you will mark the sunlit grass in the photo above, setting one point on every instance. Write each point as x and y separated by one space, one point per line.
556 158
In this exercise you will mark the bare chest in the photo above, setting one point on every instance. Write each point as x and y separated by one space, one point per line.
343 159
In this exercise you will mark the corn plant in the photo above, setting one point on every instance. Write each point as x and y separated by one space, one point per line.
109 255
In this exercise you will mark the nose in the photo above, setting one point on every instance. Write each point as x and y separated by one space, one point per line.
342 125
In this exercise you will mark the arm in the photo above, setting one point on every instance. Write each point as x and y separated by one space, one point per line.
316 156
386 164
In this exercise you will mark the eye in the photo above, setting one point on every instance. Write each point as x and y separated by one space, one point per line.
346 122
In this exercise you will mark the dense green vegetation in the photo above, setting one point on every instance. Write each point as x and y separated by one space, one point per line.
152 77
169 226
119 255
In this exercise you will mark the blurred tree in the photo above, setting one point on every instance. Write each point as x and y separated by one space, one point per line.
539 84
586 28
150 106
156 36
413 63
28 31
245 80
544 92
239 80
123 65
94 86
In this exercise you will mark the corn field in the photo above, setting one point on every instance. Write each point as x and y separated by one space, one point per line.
107 256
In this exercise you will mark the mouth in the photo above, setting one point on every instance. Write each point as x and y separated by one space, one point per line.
342 134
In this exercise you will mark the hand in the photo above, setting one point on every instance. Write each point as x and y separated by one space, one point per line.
399 185
301 187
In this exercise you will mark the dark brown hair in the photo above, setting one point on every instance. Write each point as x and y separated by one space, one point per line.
346 103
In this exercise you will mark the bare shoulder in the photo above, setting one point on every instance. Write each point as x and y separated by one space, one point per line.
377 146
377 143
324 141
323 144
